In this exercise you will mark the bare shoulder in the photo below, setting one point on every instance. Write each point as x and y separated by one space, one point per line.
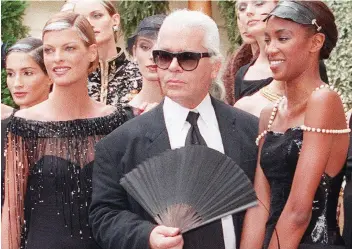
36 112
253 104
242 103
6 111
325 108
325 100
103 109
325 96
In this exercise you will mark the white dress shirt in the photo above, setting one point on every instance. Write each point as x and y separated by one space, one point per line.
177 127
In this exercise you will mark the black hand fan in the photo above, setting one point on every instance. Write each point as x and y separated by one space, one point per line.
190 187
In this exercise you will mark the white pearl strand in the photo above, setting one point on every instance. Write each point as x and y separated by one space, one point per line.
306 128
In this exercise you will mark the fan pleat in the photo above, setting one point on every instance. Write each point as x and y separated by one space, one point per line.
190 187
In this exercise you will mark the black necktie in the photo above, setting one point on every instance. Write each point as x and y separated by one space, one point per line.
193 135
211 235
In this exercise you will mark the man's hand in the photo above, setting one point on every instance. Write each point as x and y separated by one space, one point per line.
163 237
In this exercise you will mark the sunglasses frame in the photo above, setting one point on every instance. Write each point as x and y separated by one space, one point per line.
197 56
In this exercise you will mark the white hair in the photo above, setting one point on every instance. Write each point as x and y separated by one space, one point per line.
195 19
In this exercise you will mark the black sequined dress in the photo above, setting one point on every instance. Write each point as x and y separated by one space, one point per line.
52 173
279 157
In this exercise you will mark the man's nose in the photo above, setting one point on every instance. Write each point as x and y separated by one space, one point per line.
175 65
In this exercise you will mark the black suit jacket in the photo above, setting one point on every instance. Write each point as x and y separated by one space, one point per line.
117 220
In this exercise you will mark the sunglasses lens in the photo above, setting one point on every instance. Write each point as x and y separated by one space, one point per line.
188 60
162 59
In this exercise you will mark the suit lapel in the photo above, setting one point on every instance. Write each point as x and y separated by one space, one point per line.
227 126
159 138
157 132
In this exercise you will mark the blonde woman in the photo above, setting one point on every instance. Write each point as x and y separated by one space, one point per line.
50 148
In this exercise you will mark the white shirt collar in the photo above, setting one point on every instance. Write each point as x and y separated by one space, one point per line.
176 115
207 112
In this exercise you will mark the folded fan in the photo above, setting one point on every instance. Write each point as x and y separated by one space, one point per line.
190 187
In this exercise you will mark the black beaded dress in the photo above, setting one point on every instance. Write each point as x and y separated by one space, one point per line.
48 185
279 157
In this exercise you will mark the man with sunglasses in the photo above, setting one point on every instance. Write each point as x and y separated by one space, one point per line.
188 57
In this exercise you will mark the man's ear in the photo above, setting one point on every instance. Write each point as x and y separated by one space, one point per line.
317 42
216 66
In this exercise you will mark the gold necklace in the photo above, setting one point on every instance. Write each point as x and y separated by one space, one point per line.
269 94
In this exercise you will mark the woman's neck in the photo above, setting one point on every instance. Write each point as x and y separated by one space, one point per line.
262 57
107 50
299 89
261 68
150 93
41 99
71 101
254 48
277 87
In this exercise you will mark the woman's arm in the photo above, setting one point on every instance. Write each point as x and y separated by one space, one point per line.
324 110
256 217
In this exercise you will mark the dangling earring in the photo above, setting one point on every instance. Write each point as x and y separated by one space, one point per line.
115 28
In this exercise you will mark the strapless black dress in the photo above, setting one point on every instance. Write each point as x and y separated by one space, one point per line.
279 157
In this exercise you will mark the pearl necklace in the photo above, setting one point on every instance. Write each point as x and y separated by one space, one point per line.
307 128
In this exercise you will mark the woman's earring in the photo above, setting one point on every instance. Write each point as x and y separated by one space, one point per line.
115 28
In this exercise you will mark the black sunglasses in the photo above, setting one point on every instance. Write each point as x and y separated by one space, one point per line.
188 61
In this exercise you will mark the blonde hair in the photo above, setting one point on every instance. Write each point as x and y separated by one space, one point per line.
67 20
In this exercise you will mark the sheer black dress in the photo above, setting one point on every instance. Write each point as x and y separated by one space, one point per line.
279 157
48 181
